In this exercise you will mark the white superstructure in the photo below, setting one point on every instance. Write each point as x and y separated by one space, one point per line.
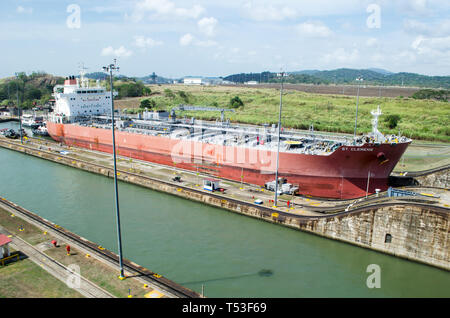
76 98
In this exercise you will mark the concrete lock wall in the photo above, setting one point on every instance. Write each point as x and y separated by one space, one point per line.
405 230
408 230
439 179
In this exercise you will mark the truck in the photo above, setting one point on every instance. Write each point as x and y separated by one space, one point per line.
283 186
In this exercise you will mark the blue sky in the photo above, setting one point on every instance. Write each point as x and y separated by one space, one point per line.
215 38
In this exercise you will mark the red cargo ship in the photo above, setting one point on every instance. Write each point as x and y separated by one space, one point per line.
321 165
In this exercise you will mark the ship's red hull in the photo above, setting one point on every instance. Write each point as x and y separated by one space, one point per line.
343 174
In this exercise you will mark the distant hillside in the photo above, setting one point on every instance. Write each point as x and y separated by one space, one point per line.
34 88
307 72
97 76
149 79
380 70
347 76
104 76
155 79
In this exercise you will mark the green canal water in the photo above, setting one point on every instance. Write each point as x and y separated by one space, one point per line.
197 245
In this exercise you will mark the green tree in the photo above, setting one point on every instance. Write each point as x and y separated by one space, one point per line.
392 120
147 103
168 93
32 93
236 102
146 91
184 96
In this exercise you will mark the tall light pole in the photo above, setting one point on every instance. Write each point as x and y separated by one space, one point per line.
18 107
110 69
282 75
359 80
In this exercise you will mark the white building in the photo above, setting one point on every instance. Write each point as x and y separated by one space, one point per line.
193 81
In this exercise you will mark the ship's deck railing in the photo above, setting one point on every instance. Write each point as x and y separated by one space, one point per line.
246 136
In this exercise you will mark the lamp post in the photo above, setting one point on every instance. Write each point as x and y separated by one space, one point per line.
282 75
18 107
359 79
110 69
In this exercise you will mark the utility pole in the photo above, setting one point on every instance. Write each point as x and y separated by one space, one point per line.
282 75
359 79
110 69
18 107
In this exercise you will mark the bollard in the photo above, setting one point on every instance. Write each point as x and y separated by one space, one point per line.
68 249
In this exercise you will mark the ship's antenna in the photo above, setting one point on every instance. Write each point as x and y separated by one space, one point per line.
110 68
82 73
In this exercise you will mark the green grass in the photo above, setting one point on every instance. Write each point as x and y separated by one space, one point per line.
30 233
17 278
25 279
420 119
98 273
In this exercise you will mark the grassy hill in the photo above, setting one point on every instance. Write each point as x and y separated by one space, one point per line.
348 76
33 88
419 119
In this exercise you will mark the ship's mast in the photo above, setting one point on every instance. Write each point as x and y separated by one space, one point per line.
84 82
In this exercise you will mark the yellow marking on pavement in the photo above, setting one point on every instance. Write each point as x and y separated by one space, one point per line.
153 294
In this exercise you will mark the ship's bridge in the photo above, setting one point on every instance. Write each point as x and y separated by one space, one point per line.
76 98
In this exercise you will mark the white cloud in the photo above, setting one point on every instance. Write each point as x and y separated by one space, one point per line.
341 56
270 10
143 42
164 9
21 9
432 47
193 12
264 12
207 25
186 39
416 7
207 43
315 29
120 52
371 42
189 39
439 28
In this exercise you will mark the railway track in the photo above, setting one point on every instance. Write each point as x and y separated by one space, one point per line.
134 269
86 287
425 172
